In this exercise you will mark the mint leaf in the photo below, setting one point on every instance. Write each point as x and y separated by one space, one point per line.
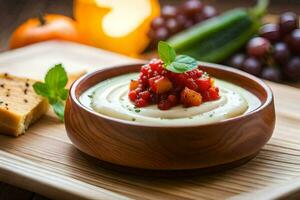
182 64
166 52
179 64
41 89
63 94
56 77
59 109
54 89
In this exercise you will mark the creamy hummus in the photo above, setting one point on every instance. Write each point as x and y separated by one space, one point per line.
110 97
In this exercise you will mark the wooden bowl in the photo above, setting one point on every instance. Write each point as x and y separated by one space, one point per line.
134 145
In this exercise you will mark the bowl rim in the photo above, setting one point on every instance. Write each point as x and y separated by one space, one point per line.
261 83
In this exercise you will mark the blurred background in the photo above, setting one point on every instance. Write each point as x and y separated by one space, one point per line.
15 12
274 55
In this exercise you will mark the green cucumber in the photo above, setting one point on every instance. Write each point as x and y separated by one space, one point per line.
216 48
216 39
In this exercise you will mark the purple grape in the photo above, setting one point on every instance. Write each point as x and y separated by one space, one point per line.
292 69
157 23
237 61
188 24
181 19
172 25
294 40
270 31
169 11
198 18
281 53
161 34
288 21
271 74
192 7
258 47
252 65
209 12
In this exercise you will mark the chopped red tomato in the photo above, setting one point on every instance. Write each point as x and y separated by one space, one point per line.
167 89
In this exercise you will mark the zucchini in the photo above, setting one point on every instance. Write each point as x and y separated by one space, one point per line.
216 39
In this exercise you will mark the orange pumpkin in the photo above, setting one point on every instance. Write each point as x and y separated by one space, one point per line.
44 28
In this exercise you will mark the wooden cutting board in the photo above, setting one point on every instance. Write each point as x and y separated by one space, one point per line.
44 160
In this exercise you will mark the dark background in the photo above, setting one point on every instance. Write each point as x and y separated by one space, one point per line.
14 12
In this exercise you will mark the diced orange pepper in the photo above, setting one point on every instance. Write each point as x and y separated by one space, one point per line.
190 97
162 85
133 84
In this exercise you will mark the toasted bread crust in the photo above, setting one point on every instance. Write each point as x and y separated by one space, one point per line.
19 105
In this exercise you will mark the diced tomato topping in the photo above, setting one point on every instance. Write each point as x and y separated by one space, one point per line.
132 95
156 85
143 80
145 95
156 65
164 105
172 99
203 84
141 103
192 74
191 84
199 73
145 69
180 78
138 90
213 93
152 84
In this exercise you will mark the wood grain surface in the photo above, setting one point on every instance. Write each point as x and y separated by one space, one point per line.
46 148
287 190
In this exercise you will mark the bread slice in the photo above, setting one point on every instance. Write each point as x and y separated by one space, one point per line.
19 105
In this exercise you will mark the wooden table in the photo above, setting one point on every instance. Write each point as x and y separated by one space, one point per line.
14 12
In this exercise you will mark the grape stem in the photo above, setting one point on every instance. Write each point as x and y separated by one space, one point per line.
259 10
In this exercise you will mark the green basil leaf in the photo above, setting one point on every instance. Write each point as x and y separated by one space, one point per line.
63 94
41 89
59 109
56 77
166 52
182 64
54 89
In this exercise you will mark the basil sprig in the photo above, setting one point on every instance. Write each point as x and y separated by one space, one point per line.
53 88
173 63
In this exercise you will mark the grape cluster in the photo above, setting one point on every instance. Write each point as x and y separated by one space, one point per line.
174 19
275 54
